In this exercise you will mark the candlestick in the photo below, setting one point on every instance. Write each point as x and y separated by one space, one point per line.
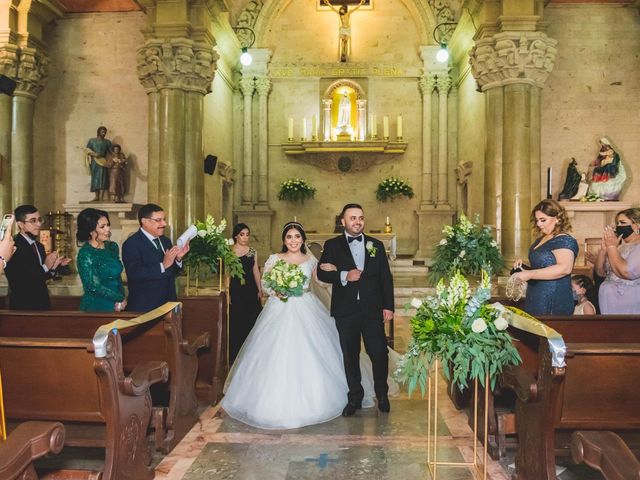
290 135
399 127
549 173
304 128
385 127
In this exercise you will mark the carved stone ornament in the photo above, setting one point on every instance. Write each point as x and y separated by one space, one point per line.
443 12
176 63
227 172
9 60
513 57
249 15
427 83
33 71
263 85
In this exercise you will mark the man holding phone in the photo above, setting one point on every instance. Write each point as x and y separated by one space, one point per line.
29 269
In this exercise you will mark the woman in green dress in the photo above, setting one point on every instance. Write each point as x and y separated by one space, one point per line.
99 264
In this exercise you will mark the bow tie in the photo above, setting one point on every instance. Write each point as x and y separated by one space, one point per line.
351 239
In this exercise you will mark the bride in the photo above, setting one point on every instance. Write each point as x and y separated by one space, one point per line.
289 372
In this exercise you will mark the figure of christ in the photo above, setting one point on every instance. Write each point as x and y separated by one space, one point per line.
344 36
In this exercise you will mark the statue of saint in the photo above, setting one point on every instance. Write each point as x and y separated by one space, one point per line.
344 36
116 174
607 173
344 112
98 150
571 182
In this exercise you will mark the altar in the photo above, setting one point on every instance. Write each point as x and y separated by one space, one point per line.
387 239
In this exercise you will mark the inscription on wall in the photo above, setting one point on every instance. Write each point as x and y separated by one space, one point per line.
333 70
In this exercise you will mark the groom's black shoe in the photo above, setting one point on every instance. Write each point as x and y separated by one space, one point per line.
383 404
351 408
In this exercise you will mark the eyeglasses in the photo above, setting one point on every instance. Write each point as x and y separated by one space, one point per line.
157 220
34 220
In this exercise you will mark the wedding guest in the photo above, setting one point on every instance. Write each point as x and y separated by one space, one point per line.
245 304
585 294
99 264
619 262
7 246
551 257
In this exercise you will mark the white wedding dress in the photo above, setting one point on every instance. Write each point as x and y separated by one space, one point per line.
289 373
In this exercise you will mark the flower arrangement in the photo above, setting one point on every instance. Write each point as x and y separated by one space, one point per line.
460 329
285 279
296 190
371 249
209 245
467 247
391 188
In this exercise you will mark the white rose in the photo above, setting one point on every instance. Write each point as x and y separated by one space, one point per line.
478 325
293 284
501 323
462 254
230 241
369 245
443 241
416 303
202 233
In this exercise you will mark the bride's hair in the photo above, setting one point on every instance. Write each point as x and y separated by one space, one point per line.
294 226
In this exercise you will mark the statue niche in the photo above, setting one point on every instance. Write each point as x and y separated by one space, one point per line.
346 111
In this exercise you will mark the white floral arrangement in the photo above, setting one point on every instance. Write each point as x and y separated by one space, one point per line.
371 248
285 279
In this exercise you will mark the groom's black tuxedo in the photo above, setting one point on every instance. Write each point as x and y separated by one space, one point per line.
357 308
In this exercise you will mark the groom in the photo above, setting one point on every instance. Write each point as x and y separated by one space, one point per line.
361 302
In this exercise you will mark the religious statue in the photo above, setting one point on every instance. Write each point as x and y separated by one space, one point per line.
344 112
571 182
463 172
607 173
344 36
116 174
98 150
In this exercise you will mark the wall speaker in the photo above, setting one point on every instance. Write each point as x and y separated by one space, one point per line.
7 85
210 164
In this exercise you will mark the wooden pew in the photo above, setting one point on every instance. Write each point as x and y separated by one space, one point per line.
28 442
607 453
206 313
597 389
159 338
60 379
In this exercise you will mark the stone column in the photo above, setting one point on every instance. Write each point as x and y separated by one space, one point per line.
31 77
362 119
247 86
263 87
9 68
426 84
326 119
443 84
511 67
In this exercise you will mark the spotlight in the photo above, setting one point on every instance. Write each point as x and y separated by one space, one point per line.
245 58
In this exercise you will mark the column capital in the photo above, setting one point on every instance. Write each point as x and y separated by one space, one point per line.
427 83
33 72
176 63
263 85
443 82
513 57
247 86
327 102
9 60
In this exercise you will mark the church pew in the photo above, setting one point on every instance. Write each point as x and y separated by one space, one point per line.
160 338
28 442
204 313
597 389
607 453
81 383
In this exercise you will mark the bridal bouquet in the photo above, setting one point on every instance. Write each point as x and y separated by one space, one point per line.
285 279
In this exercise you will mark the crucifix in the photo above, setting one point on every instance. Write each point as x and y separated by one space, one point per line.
344 36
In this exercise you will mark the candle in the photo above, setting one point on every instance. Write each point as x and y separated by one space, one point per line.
549 173
385 127
314 126
374 128
304 127
290 127
295 219
387 221
399 126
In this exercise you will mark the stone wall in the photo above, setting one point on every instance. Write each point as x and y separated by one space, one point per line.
92 82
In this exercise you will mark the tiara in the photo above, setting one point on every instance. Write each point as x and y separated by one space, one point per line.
290 224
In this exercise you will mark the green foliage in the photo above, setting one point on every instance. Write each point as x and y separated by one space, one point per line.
458 328
391 188
286 279
296 190
209 245
466 247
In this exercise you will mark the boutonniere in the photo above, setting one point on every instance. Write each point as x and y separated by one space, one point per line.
371 249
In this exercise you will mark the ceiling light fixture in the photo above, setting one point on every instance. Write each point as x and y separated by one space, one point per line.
246 40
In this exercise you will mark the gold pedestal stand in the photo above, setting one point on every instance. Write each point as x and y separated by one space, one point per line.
432 428
197 279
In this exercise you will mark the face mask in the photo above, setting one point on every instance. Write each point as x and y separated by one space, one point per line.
576 297
624 230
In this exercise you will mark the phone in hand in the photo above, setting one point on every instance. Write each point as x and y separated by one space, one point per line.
4 226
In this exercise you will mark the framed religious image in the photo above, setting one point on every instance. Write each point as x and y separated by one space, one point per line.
366 4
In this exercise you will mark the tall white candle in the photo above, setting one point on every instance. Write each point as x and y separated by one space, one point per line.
374 127
290 127
385 127
387 221
314 126
304 127
399 126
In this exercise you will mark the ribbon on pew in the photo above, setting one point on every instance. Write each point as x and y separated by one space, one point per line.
100 337
523 321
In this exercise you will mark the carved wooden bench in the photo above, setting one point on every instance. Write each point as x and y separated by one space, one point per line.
606 452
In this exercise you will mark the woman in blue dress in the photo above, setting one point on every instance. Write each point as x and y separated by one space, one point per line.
551 257
99 264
